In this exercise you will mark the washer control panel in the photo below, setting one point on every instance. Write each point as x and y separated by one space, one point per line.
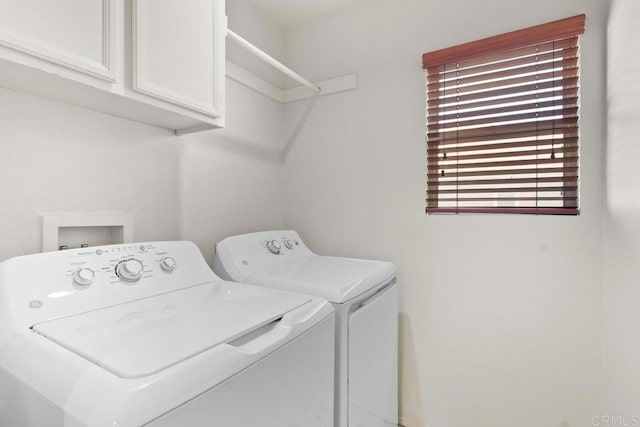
124 264
55 284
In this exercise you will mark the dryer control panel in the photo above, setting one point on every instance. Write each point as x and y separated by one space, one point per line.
280 246
260 251
45 286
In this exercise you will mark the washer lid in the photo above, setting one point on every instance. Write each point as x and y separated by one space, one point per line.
143 337
336 279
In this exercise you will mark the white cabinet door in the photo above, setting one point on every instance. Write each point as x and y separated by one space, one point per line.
76 34
177 51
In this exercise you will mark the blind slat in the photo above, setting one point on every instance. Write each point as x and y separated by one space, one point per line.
502 55
436 107
439 98
462 141
539 117
532 142
564 179
544 70
566 102
507 163
509 210
533 189
512 61
433 176
506 130
488 88
503 199
572 151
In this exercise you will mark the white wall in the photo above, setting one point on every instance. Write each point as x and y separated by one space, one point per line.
231 179
501 316
201 187
61 158
622 236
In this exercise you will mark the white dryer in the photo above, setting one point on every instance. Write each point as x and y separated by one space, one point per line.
146 334
364 295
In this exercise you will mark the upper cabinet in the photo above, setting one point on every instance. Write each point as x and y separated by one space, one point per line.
175 53
155 61
79 35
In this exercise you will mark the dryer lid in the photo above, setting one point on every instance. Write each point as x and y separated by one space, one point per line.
143 337
338 280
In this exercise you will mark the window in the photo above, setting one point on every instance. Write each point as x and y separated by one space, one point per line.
502 123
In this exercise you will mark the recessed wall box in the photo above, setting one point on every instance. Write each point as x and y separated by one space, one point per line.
75 230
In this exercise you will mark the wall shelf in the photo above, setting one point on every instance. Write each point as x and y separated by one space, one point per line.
327 87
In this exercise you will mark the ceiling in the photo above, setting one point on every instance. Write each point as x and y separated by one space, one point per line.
290 12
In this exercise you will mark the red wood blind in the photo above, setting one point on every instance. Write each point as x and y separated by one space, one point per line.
502 122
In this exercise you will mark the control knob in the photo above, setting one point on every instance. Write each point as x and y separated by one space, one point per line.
83 276
288 244
130 270
274 246
168 264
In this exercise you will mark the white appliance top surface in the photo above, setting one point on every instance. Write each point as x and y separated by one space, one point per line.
335 279
142 337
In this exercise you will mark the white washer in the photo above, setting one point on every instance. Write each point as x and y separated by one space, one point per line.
364 294
146 334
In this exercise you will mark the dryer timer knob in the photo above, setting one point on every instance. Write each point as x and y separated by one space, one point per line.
130 270
274 246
